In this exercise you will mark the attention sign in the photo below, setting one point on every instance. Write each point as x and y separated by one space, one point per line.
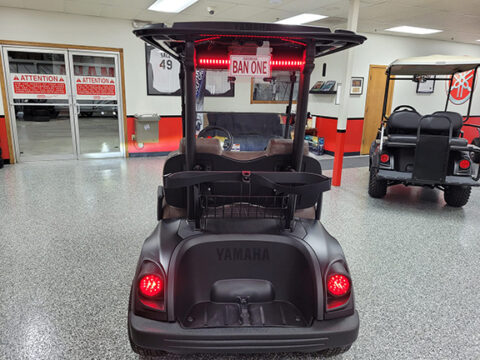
250 65
38 86
95 88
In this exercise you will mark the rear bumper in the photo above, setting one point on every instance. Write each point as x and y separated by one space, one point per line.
171 337
406 177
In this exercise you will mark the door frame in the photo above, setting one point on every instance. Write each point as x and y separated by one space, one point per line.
11 105
121 125
54 46
365 146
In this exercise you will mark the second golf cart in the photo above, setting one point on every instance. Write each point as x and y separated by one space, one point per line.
427 150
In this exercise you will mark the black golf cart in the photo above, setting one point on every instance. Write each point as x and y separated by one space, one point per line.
426 150
239 261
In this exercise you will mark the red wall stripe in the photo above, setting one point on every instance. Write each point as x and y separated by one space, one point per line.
327 128
4 139
169 136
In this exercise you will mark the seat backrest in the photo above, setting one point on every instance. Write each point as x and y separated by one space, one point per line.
437 126
277 157
403 122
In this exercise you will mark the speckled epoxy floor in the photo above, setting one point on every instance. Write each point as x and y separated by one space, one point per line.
70 234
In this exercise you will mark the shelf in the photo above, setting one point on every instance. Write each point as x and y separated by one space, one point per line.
331 92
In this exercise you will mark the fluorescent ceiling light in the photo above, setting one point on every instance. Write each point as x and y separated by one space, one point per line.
413 30
301 19
171 6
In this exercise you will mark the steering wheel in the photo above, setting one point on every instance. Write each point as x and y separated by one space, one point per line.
227 143
407 107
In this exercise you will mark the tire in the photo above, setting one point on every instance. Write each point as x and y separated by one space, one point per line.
475 156
377 188
135 348
457 195
334 351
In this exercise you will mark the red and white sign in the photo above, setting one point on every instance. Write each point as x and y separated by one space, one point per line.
95 88
38 86
250 65
462 86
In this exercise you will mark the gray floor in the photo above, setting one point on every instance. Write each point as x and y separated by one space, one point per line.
70 234
97 134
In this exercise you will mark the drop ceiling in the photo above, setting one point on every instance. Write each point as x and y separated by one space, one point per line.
459 20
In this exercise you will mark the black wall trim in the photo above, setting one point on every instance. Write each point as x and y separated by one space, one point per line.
149 154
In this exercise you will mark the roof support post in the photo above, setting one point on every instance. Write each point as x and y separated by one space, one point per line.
344 96
190 119
302 105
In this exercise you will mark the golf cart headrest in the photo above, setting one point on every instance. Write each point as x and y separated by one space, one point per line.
204 145
438 123
403 121
283 147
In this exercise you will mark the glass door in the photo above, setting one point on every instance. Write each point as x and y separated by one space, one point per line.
97 103
39 93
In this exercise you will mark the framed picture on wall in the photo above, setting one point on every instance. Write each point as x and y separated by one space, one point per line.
316 88
163 71
356 88
276 91
426 84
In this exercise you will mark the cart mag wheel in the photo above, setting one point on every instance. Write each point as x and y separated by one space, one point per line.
475 156
377 188
457 196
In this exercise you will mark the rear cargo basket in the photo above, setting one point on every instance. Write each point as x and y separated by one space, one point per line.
245 206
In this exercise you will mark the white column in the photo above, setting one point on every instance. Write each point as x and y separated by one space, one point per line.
345 91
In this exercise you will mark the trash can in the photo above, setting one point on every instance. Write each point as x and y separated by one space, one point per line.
146 128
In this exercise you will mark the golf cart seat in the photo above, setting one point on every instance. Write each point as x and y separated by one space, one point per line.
403 122
210 155
402 126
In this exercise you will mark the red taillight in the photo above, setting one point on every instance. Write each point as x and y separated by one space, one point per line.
384 158
464 164
338 285
151 285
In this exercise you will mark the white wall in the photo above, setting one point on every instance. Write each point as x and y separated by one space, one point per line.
29 25
382 50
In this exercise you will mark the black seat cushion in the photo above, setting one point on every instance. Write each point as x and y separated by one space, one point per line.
438 124
403 122
406 122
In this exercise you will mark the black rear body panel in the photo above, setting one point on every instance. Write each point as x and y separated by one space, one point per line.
197 306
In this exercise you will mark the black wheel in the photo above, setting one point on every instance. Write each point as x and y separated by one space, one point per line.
475 156
334 351
137 349
377 188
1 159
457 196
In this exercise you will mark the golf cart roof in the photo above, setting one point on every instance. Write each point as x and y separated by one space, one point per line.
225 34
433 65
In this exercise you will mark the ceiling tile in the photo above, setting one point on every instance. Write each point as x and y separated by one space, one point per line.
82 7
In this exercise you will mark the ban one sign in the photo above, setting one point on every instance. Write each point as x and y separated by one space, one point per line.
250 65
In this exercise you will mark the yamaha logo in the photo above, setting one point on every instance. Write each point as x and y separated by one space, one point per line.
243 254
